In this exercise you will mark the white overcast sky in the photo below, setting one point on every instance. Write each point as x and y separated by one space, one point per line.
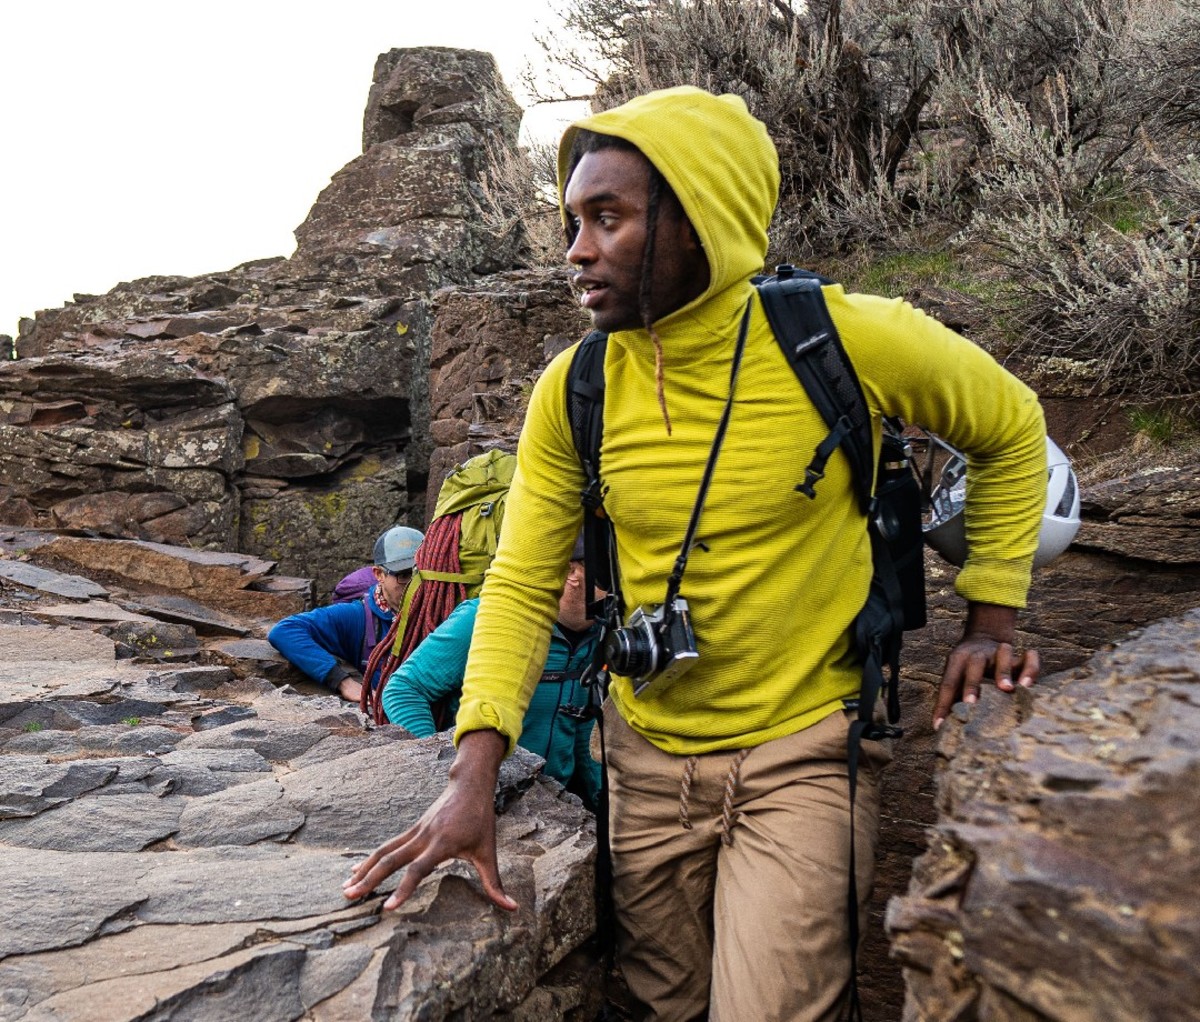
161 137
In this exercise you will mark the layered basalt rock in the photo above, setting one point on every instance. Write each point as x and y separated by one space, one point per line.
490 344
1059 881
280 408
173 842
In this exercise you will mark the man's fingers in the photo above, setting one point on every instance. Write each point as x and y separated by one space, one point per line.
417 871
973 677
949 688
489 874
1030 668
1003 667
378 866
970 662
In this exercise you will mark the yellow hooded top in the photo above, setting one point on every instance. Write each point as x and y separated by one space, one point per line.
776 578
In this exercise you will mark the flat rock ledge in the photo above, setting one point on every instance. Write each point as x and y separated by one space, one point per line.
1060 882
173 841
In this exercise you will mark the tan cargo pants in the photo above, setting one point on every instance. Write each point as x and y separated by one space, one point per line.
734 909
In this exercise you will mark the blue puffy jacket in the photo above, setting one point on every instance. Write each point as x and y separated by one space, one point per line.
323 641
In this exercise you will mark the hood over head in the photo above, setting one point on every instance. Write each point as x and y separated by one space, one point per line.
718 159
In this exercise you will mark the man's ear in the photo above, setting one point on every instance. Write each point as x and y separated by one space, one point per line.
378 572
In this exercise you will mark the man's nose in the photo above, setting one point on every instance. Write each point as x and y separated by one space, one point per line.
580 251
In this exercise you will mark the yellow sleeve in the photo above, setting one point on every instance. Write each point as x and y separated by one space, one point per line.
519 601
912 366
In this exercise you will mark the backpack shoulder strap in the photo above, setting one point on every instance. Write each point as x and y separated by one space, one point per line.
795 308
585 413
585 402
370 631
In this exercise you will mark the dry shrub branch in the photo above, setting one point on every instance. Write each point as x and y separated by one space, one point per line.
1059 136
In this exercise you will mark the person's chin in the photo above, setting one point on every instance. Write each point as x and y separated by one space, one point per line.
611 321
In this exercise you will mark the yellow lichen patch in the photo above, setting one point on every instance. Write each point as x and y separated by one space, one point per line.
365 469
326 505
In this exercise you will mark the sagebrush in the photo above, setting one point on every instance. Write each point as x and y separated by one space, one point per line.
1059 139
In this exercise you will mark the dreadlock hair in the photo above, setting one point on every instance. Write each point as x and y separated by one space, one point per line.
428 607
657 191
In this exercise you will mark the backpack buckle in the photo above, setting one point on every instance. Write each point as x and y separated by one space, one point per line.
575 712
812 476
592 495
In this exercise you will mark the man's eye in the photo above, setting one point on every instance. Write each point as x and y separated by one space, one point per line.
606 219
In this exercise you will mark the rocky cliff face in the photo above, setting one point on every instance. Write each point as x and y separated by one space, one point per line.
280 408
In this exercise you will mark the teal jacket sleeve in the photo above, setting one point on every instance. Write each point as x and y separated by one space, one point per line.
433 670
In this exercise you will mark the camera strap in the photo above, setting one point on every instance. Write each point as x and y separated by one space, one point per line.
676 579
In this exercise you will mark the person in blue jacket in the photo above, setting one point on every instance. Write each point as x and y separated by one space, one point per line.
554 726
331 644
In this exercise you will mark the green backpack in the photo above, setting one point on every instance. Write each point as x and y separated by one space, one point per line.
458 549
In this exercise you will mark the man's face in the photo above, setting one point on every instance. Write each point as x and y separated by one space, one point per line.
393 586
607 199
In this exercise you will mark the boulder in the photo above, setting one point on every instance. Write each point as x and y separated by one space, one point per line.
281 407
1058 881
174 843
410 209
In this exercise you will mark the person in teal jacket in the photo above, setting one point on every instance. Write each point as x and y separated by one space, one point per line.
555 727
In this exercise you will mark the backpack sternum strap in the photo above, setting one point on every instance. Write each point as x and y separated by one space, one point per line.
466 578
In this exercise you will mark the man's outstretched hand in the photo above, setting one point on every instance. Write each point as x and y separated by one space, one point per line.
461 824
985 651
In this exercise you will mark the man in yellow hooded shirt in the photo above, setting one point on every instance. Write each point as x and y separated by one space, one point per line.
729 811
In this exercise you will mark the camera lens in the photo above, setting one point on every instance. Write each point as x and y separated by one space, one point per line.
631 652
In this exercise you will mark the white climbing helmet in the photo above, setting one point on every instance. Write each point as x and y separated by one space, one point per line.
945 530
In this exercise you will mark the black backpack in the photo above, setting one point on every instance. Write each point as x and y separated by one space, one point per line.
886 489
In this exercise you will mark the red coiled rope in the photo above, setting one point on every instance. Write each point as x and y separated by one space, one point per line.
431 604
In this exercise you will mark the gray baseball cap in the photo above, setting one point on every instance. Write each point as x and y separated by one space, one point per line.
396 549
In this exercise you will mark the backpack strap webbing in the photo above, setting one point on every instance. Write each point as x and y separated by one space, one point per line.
585 413
370 631
795 308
